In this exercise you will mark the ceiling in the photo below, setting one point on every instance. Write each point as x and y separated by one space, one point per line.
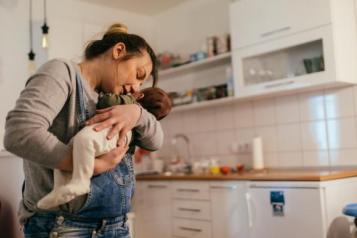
145 7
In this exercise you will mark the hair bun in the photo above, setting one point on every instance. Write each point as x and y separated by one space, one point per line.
117 28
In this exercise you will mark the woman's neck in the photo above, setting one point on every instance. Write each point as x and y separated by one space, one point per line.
90 70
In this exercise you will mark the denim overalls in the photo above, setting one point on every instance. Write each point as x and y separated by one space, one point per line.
103 213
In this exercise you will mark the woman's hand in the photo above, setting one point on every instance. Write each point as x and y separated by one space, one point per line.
122 118
109 160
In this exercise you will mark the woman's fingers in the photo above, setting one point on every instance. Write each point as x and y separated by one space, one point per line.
120 152
105 124
98 118
122 137
104 110
114 130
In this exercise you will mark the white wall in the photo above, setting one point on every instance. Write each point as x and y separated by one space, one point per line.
184 29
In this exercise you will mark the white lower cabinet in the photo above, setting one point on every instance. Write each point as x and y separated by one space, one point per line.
229 210
242 209
192 209
152 208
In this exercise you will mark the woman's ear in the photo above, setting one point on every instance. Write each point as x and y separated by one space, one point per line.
119 50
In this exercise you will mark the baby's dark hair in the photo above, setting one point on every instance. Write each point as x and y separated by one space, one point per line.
156 101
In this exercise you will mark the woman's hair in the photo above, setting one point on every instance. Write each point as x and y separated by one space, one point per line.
134 45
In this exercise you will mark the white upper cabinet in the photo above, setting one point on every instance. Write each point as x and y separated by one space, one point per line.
282 46
254 21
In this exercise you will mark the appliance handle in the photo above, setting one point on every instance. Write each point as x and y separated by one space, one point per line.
249 208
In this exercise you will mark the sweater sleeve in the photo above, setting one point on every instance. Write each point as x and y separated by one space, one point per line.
27 125
149 131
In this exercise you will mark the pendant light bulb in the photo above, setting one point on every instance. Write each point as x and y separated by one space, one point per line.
45 29
31 63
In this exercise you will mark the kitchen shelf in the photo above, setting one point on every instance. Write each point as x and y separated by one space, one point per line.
204 104
192 66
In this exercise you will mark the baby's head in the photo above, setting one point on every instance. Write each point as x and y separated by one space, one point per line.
156 101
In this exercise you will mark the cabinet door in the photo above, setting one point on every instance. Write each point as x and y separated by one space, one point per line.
279 65
229 210
152 207
301 215
253 21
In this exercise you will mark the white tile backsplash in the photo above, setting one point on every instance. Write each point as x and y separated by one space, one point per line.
342 133
314 136
243 115
312 106
224 117
264 112
290 159
345 157
289 137
339 102
224 139
206 120
316 158
269 136
313 129
287 109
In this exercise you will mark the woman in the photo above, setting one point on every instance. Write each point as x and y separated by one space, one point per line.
56 102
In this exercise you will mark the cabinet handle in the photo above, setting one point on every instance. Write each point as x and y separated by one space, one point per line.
249 208
189 209
269 33
190 229
188 190
156 186
233 187
279 84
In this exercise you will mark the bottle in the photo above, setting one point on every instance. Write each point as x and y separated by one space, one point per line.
229 81
258 159
214 167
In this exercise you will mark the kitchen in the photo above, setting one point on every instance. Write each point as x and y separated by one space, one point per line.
272 154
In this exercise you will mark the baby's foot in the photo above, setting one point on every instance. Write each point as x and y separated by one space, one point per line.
62 195
54 199
75 189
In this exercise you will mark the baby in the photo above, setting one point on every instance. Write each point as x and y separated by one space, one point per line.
88 144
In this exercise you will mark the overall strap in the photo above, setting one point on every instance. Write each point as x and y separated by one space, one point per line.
83 112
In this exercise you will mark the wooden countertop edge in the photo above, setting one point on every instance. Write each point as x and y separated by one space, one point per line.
275 176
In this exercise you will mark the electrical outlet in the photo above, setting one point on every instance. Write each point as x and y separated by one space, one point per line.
244 147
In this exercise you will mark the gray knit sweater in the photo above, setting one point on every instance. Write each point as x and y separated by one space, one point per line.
44 120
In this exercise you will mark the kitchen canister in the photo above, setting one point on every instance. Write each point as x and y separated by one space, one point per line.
258 159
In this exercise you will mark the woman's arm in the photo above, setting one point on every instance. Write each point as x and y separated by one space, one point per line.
123 118
26 128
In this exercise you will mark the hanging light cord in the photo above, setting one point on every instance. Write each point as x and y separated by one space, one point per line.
45 10
30 22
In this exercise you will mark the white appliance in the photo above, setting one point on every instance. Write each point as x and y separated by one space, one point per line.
298 209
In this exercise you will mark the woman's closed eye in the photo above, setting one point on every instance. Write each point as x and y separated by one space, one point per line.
141 75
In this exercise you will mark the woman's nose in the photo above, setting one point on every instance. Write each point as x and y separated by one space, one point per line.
131 88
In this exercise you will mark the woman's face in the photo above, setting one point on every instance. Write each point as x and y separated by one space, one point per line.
126 76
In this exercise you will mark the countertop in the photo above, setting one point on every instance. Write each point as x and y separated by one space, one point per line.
264 175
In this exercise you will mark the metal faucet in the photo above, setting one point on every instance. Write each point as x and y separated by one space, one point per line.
189 158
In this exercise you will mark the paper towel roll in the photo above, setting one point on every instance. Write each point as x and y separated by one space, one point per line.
258 160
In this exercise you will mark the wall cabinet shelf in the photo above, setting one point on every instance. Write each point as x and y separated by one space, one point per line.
208 62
